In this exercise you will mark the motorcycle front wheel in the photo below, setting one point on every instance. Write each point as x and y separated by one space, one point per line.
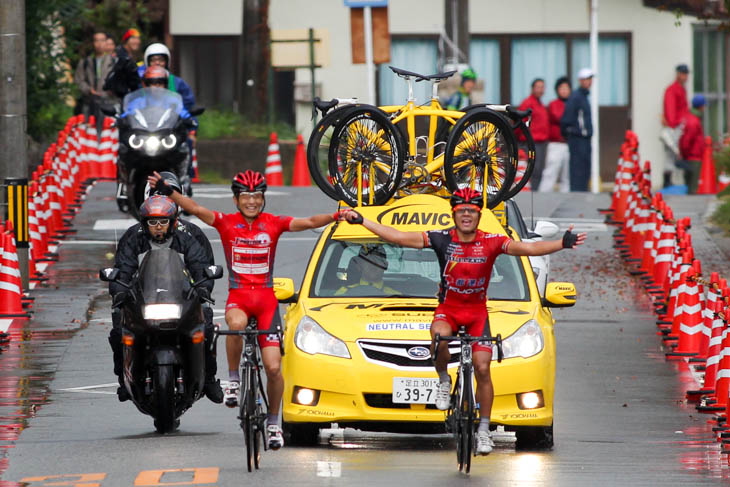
163 382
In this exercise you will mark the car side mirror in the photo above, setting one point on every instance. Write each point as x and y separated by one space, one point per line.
214 272
194 112
109 274
284 290
559 295
546 229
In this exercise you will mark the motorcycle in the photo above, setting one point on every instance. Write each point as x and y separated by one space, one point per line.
163 336
152 137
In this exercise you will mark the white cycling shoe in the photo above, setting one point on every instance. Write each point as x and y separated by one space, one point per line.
231 394
275 437
443 396
485 445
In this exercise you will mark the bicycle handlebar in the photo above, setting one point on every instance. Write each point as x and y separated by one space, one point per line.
468 339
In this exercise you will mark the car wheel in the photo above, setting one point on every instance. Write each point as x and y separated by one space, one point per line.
534 438
302 434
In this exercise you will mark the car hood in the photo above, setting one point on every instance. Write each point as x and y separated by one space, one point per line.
351 320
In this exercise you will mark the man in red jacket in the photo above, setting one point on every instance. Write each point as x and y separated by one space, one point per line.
692 143
539 127
558 156
675 107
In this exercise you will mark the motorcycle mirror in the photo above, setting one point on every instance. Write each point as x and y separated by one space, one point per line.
194 112
214 272
109 274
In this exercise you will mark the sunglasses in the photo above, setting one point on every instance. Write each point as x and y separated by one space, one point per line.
468 211
158 221
255 194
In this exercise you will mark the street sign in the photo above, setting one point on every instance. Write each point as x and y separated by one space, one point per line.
365 3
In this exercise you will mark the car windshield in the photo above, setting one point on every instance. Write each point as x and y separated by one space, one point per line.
348 269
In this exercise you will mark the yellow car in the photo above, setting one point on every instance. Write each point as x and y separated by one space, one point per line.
358 354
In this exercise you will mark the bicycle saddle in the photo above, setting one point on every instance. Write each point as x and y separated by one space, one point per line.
441 76
324 106
518 114
408 74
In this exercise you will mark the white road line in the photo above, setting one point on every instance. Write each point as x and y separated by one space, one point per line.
91 389
329 469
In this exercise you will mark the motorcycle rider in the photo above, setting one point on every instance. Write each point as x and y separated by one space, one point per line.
158 228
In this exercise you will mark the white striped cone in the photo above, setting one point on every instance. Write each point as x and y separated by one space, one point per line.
107 160
92 150
521 168
274 176
10 290
707 323
665 253
690 326
37 250
719 331
722 378
679 297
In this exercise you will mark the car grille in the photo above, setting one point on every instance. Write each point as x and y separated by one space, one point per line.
385 401
394 353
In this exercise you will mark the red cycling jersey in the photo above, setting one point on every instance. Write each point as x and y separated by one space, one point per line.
465 266
250 248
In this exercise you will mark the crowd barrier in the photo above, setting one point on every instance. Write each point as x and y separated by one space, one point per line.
692 311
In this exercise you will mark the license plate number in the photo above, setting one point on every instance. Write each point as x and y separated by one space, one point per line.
410 390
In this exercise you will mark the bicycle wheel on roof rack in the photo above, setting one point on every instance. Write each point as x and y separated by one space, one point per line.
318 150
366 157
481 153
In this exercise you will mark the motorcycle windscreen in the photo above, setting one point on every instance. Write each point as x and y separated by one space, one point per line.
152 109
163 278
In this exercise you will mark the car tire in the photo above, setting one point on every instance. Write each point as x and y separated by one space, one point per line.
534 438
302 434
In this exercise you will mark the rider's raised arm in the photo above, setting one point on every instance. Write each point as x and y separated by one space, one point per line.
389 234
570 240
187 204
314 221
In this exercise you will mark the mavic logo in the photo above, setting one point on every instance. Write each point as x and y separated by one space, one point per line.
421 218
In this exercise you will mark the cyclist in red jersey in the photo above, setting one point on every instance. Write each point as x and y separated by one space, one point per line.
466 255
249 237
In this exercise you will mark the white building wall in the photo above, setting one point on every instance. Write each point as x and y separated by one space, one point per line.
213 17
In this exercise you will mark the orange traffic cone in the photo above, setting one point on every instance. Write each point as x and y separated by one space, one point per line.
714 355
301 170
274 175
708 181
690 326
11 305
196 176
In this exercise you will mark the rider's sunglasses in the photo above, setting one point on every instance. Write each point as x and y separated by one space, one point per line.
467 211
158 221
255 194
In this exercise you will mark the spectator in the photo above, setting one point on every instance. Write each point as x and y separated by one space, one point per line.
90 75
557 157
110 44
462 98
576 126
123 77
675 107
539 128
692 143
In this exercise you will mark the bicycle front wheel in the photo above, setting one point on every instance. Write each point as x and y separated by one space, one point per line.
465 441
366 157
247 416
481 154
318 149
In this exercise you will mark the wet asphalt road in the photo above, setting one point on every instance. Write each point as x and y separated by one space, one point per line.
620 414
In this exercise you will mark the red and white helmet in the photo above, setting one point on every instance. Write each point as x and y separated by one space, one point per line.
467 196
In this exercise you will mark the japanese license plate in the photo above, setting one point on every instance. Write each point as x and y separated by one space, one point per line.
413 390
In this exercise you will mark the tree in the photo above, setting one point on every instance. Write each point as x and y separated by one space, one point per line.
254 60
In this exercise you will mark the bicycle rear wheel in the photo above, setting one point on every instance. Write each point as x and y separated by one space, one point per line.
318 149
523 174
481 154
257 421
366 157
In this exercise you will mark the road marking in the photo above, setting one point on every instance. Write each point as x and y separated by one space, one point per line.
150 478
90 389
579 224
329 469
71 479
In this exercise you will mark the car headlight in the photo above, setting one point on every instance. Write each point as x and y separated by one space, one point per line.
169 141
152 145
135 142
525 342
313 339
162 312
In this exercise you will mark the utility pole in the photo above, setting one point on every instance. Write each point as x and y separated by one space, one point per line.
595 145
13 103
254 54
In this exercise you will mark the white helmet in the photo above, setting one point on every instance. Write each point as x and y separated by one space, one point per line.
156 49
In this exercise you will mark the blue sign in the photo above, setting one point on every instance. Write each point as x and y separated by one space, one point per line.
366 3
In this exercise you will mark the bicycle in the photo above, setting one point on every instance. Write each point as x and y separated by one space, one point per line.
252 401
462 414
367 160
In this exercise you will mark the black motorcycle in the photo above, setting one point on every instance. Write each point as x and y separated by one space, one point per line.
152 137
163 336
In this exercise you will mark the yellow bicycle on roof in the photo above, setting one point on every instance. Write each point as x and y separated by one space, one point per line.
363 150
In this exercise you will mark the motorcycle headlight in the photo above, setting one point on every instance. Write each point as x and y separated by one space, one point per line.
525 342
152 145
135 142
169 141
313 339
162 312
